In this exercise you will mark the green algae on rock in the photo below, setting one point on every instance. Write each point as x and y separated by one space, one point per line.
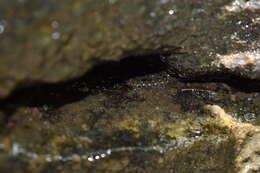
123 128
122 119
247 139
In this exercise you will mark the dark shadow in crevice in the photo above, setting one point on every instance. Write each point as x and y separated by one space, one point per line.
244 85
105 75
185 69
235 82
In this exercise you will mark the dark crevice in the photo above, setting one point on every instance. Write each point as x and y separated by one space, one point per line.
190 75
189 69
105 75
236 82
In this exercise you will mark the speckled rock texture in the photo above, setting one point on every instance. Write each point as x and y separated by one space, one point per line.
247 138
46 41
224 45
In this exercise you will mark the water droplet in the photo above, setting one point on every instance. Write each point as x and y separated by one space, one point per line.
109 152
91 159
2 28
55 24
152 14
16 149
2 146
103 155
171 12
48 158
55 35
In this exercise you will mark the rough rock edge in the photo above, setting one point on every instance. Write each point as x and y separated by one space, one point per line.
244 61
247 140
239 5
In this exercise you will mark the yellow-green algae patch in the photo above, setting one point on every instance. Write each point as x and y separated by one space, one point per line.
124 129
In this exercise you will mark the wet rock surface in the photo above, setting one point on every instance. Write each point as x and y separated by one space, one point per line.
46 41
147 68
226 46
247 140
123 123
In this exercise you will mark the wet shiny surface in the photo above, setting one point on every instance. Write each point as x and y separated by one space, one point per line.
145 122
126 114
